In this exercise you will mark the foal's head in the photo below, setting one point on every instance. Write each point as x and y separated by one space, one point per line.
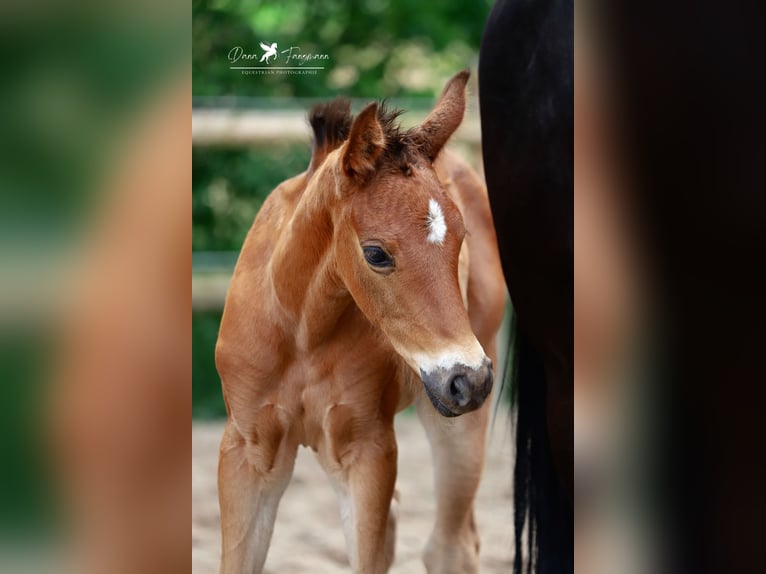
397 237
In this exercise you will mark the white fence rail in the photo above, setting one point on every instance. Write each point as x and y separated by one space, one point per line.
240 128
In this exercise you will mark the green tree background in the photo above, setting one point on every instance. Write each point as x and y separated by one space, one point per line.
377 48
400 50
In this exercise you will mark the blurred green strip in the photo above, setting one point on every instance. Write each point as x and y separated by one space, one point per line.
207 400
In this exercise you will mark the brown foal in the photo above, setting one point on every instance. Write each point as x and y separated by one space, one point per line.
370 282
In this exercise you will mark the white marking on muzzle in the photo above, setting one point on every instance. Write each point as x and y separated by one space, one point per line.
471 356
437 227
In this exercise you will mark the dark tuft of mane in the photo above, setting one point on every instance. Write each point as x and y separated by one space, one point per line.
331 124
400 146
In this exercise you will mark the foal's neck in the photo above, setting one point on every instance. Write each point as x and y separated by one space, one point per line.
303 272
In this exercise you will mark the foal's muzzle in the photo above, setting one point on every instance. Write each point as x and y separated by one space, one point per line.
458 389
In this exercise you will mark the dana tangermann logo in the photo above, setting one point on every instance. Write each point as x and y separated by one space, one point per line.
272 60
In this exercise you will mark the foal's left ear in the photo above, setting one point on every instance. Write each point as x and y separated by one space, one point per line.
444 119
365 143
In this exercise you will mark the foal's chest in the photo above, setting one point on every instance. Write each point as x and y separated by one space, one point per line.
368 385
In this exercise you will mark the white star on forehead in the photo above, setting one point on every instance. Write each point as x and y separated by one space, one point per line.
437 227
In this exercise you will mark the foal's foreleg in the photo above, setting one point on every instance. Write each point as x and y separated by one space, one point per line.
362 467
457 445
253 471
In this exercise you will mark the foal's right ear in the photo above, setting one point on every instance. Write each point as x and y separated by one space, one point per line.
444 119
365 143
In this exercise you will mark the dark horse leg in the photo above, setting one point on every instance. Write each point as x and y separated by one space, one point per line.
526 102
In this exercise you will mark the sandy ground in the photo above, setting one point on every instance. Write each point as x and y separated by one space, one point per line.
308 536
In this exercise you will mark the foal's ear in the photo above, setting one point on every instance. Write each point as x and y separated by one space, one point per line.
444 119
365 143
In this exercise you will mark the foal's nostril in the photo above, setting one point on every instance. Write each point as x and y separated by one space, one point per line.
459 390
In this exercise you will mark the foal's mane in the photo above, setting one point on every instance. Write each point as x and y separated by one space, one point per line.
331 123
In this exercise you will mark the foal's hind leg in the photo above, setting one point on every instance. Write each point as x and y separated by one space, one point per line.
253 471
457 445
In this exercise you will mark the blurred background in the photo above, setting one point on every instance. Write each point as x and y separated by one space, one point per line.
84 90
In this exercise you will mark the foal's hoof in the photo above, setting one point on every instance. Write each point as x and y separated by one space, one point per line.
460 556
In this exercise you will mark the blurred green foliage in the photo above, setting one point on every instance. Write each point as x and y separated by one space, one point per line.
377 48
229 186
26 495
206 390
404 49
72 87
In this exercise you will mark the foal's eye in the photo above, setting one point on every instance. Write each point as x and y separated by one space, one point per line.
377 257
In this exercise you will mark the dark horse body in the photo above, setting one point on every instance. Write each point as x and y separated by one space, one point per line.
526 102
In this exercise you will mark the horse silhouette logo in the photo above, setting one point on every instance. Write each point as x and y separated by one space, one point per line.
270 51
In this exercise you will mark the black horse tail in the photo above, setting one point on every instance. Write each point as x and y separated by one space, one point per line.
543 511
